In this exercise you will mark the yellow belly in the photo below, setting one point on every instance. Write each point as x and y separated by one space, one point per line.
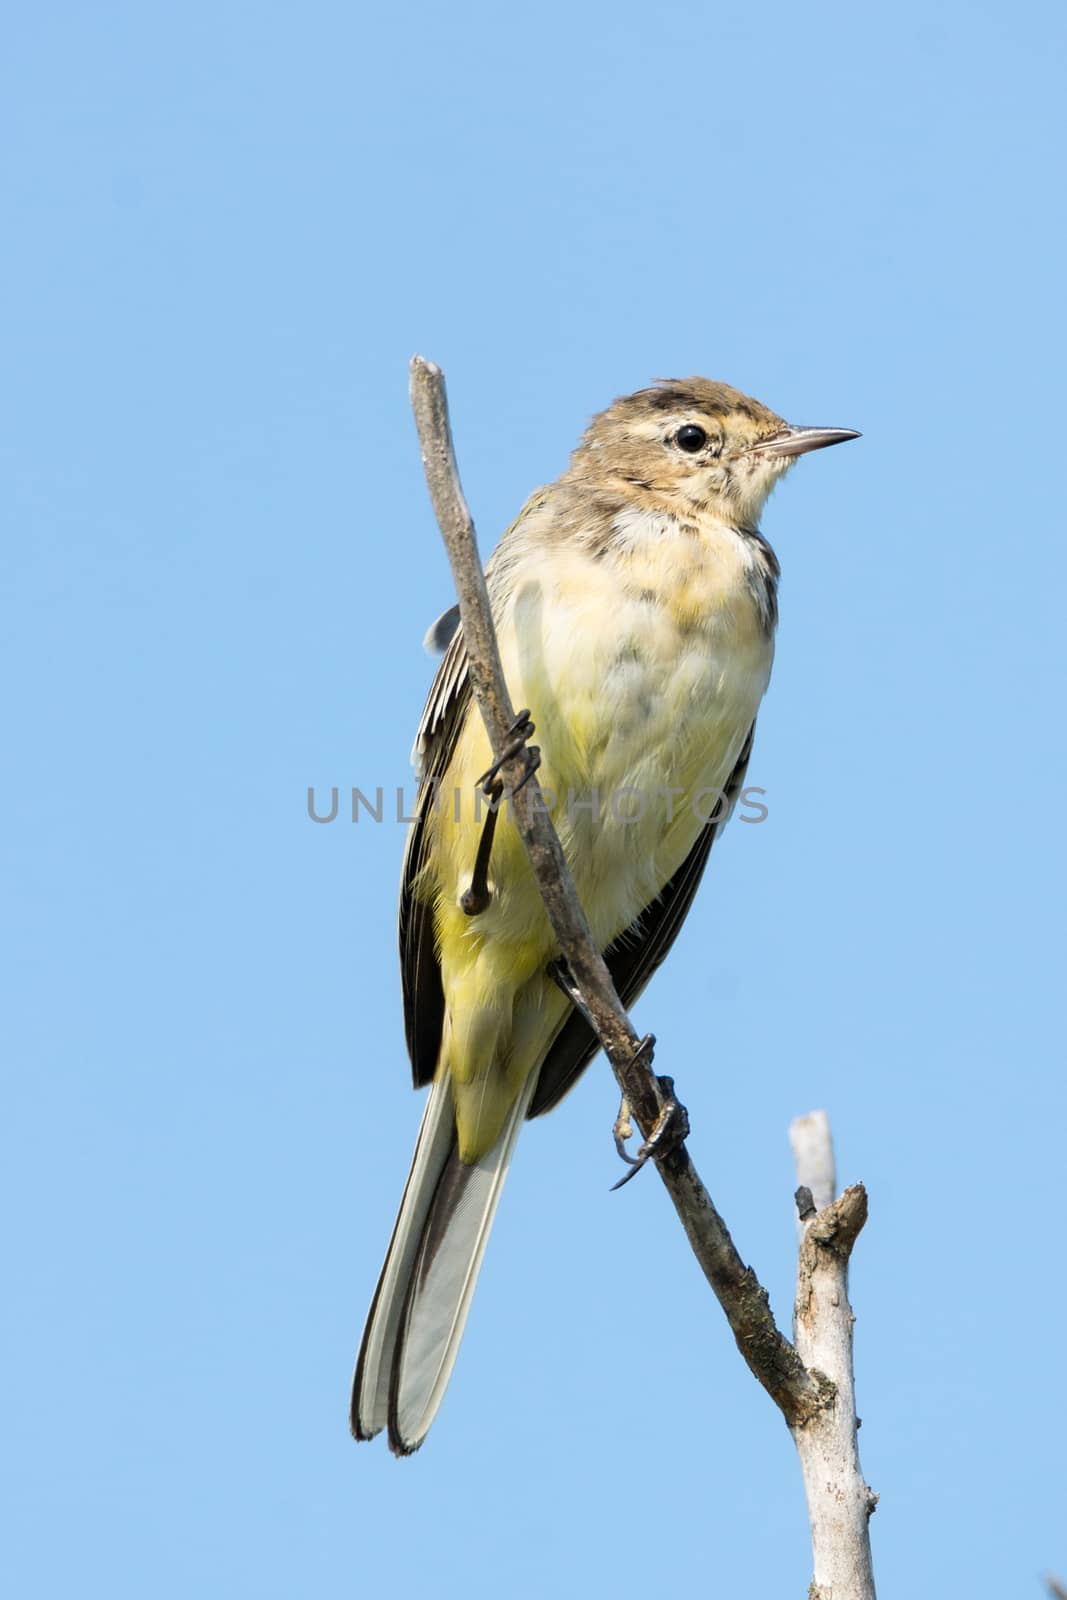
643 680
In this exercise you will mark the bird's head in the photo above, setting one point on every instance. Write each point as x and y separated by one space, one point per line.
698 445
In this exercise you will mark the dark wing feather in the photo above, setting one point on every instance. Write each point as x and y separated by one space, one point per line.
446 707
636 953
420 969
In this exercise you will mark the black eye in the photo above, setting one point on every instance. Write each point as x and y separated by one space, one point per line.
691 438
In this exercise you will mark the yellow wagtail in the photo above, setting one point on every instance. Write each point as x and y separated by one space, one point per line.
635 601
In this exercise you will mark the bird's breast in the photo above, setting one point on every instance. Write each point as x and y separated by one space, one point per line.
644 668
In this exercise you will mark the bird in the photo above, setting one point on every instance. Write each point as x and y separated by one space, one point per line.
635 602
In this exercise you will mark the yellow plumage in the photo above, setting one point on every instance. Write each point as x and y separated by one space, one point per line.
643 672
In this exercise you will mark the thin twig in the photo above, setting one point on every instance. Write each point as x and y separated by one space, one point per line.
800 1394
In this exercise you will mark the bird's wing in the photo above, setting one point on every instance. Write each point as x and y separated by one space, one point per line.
420 970
447 705
634 956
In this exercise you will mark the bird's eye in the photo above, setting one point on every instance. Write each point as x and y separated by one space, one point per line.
691 438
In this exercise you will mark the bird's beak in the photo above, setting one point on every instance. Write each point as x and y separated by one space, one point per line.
798 441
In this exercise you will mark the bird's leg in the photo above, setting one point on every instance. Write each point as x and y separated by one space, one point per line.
672 1124
623 1129
671 1130
477 895
560 974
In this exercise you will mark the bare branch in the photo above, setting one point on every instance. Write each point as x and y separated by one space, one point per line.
813 1153
800 1394
839 1501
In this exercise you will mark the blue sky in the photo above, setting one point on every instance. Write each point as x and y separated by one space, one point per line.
228 227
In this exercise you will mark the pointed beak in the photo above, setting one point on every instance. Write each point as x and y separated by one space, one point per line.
798 441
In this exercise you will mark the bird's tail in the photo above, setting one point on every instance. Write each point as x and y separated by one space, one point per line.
424 1293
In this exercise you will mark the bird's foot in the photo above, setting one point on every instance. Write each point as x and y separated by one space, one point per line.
671 1129
519 734
560 974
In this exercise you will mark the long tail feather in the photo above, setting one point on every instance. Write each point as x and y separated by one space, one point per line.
424 1293
370 1386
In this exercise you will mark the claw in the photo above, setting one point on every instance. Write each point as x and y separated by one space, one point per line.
533 761
671 1130
519 734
